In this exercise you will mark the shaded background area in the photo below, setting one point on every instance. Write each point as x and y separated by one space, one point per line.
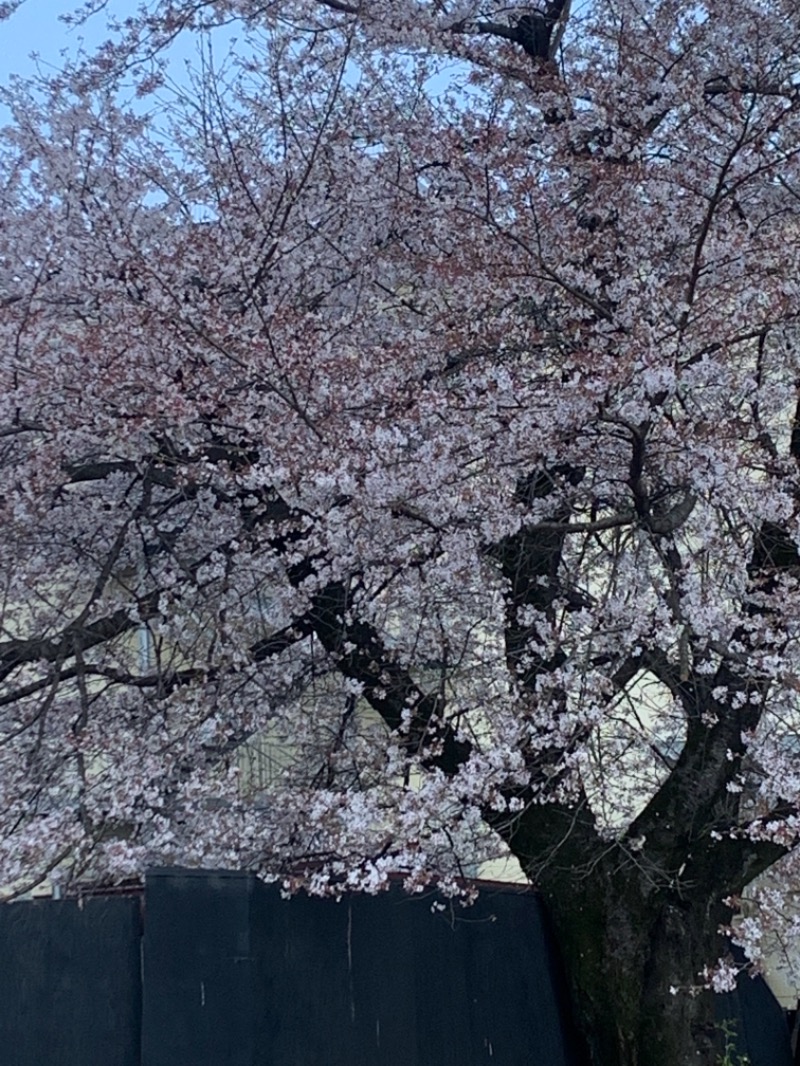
216 969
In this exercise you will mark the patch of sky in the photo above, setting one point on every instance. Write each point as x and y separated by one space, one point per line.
41 37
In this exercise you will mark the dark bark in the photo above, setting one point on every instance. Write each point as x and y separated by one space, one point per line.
626 949
361 655
638 919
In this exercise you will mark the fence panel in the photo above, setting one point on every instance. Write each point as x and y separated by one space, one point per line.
70 983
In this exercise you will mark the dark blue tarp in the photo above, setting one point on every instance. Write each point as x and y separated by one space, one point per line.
246 978
70 983
216 969
755 1021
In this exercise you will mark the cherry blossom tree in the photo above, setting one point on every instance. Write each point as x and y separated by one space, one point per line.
416 391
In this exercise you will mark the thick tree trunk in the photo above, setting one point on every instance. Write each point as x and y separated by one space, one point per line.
627 948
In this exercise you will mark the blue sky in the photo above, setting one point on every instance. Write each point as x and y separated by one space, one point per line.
34 37
35 27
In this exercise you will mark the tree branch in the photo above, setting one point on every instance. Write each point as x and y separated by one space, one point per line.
360 655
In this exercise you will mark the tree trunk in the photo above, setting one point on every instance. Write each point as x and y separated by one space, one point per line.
633 956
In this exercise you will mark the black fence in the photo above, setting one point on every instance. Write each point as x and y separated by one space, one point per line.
216 969
70 983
